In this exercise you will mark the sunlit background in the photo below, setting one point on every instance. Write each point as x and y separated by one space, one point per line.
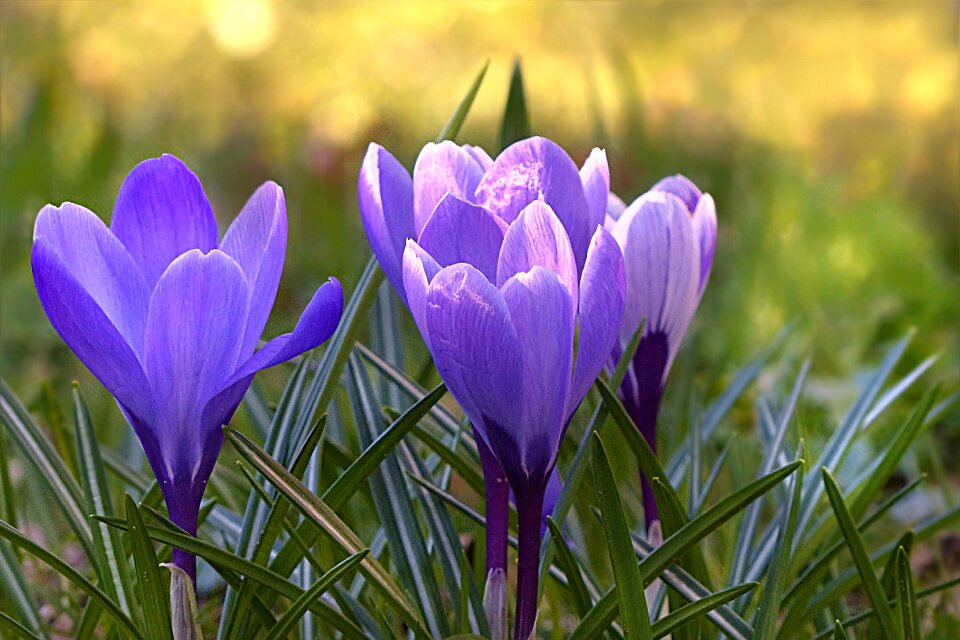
827 133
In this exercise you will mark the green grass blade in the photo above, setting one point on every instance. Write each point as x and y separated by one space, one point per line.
110 560
19 540
302 604
324 517
780 565
838 632
603 612
693 611
337 494
452 128
909 616
860 556
15 629
516 120
153 598
49 466
568 564
632 600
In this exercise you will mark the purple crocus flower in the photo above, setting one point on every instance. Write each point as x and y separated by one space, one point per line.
167 316
503 263
667 236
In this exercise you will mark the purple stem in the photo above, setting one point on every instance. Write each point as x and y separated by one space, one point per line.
183 505
529 516
644 414
497 495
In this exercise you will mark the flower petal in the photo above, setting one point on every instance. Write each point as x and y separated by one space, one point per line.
705 225
662 261
538 169
441 169
537 239
595 175
480 155
101 265
542 314
462 232
602 294
315 326
257 240
197 316
162 212
683 188
88 331
475 347
419 269
615 208
385 194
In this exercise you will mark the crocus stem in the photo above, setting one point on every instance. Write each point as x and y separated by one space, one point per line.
183 505
497 495
644 414
529 514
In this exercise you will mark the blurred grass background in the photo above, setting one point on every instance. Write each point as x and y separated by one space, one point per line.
827 132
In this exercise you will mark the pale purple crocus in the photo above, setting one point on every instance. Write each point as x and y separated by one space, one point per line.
667 236
501 269
167 316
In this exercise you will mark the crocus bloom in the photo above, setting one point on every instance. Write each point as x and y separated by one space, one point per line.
667 236
504 271
167 316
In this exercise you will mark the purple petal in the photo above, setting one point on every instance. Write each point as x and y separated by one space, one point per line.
87 330
419 269
683 188
462 232
475 347
479 155
315 326
385 195
197 316
662 260
615 208
542 314
595 175
705 226
538 169
100 264
441 169
162 212
257 240
537 239
602 293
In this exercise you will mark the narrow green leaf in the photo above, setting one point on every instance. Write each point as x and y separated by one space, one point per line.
15 629
218 557
19 540
151 589
909 616
452 128
323 516
693 611
110 560
838 632
516 120
629 581
337 494
860 556
302 604
604 611
185 618
571 569
768 612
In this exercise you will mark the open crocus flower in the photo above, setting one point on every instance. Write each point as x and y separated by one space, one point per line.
458 206
168 317
667 236
501 263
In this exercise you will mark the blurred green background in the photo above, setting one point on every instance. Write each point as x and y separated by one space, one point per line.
827 133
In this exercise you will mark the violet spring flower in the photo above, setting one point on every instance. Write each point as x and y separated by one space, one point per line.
502 264
168 317
667 236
